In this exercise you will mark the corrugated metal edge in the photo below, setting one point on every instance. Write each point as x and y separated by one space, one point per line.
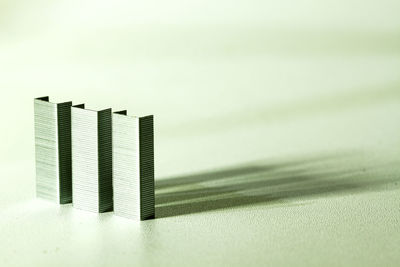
63 139
145 165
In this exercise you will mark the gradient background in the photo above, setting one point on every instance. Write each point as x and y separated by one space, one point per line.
276 129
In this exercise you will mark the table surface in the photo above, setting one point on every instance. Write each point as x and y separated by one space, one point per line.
337 208
276 129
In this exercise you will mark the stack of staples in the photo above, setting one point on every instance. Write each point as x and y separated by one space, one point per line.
133 166
99 160
53 150
91 159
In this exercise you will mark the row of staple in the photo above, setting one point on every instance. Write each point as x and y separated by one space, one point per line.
99 161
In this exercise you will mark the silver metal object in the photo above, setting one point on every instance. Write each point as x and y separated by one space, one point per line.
53 150
91 159
133 166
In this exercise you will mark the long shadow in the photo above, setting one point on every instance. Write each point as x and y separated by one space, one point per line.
267 184
242 170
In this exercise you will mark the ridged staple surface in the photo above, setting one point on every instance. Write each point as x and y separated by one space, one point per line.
53 150
92 162
133 166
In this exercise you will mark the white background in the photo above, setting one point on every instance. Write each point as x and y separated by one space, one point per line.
231 84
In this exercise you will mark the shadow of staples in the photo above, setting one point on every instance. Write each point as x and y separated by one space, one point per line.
267 184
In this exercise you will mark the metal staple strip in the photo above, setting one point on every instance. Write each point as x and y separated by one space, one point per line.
91 159
133 166
53 150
